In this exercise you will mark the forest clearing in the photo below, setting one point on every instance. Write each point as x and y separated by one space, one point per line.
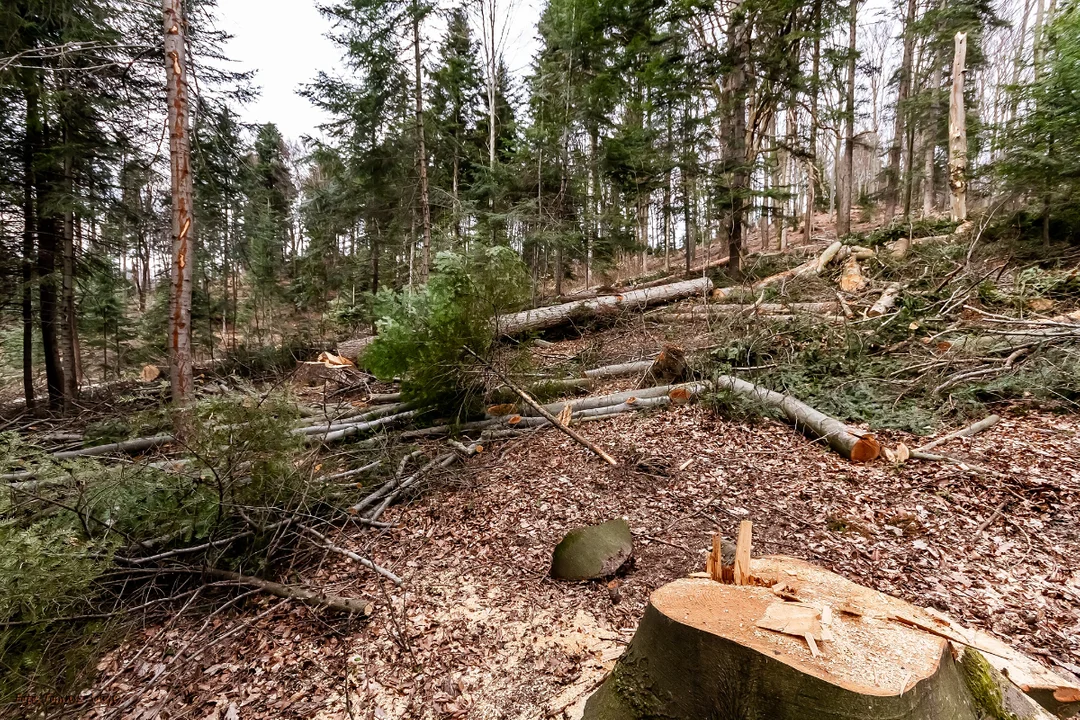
692 361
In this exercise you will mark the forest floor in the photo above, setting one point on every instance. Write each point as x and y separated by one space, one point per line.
480 630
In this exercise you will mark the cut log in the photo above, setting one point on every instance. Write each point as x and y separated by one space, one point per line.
127 446
354 348
712 310
621 370
556 315
885 302
852 444
851 278
700 652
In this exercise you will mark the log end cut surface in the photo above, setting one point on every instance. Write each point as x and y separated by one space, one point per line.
867 654
699 653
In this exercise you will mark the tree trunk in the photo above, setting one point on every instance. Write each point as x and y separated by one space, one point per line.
70 328
958 133
556 315
811 163
48 240
705 649
421 161
892 191
843 216
31 141
735 142
183 236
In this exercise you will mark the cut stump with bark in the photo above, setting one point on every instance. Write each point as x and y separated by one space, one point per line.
593 552
703 650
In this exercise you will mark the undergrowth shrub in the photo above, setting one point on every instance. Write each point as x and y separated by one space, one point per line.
422 335
59 583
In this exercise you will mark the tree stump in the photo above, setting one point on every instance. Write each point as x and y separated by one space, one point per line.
701 652
669 367
593 552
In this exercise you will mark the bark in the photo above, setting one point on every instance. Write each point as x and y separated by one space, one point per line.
621 370
127 446
892 191
847 185
48 283
811 165
885 302
852 444
31 140
70 328
183 236
554 316
717 310
706 649
958 133
292 592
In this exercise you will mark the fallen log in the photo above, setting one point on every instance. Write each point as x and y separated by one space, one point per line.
688 317
324 435
704 311
852 444
639 367
586 408
836 651
885 302
379 398
361 423
814 266
556 315
851 277
127 446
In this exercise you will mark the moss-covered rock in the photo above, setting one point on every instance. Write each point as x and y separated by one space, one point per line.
591 552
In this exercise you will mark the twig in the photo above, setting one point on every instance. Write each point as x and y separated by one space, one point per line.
973 429
544 413
326 543
292 592
990 520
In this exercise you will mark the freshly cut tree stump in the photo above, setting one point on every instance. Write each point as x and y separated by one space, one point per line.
701 652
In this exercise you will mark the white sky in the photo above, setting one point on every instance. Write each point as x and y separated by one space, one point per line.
288 46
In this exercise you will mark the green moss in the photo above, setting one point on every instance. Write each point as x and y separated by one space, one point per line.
630 682
592 552
979 678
